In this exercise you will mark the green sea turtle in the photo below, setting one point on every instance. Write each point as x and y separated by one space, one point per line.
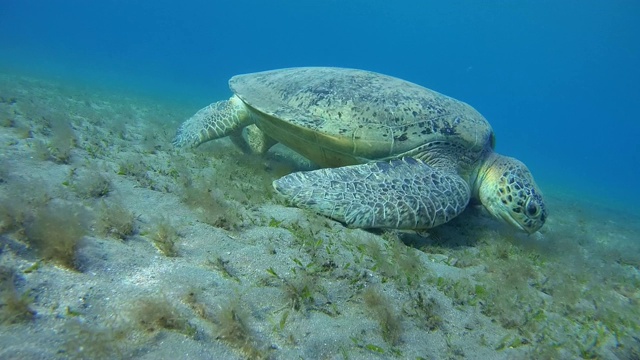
393 154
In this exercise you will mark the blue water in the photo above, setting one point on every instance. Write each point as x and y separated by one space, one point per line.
558 80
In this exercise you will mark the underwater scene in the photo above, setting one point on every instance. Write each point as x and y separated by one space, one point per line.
138 222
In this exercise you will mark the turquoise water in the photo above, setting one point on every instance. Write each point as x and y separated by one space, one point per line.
557 80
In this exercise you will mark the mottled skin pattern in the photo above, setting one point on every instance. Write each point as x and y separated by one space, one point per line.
217 120
398 155
412 194
508 183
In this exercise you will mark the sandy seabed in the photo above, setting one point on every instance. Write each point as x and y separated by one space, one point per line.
113 244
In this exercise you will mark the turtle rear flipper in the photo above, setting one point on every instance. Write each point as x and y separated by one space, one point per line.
217 120
401 194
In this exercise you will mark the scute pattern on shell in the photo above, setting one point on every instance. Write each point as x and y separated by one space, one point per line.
386 115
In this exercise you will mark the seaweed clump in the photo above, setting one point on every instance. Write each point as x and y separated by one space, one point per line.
206 198
95 342
155 314
425 310
90 184
115 221
14 306
62 139
56 232
233 328
382 311
164 236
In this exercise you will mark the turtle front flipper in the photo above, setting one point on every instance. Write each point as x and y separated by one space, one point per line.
401 194
217 120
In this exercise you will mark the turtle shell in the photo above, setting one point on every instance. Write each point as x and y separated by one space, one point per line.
338 117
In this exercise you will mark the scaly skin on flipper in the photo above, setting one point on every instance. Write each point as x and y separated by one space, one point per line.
212 122
401 194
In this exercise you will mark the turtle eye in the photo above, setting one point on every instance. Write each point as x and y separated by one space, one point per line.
532 208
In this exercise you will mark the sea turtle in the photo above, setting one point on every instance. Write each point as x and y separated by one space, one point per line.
393 154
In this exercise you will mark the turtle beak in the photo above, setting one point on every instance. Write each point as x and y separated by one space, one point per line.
506 217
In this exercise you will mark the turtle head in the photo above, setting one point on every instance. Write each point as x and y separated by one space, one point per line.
507 190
